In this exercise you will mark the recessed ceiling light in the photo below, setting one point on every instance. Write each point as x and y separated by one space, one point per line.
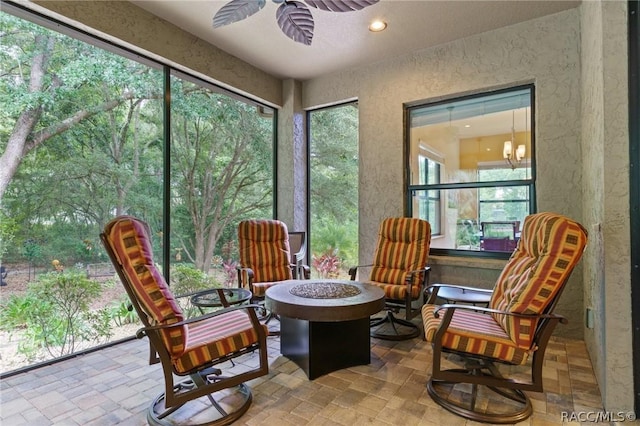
467 125
377 25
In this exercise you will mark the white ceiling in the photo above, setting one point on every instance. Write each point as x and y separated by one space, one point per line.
342 40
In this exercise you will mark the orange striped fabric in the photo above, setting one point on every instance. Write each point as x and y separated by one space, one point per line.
216 337
264 248
402 247
550 247
129 239
259 289
189 346
475 333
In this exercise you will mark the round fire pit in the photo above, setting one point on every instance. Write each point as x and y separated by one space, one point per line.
325 290
324 324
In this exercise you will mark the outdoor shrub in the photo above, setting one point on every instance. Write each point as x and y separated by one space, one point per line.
187 280
336 240
14 312
230 268
61 321
327 265
122 312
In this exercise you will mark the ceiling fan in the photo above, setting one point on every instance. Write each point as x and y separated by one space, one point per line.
294 18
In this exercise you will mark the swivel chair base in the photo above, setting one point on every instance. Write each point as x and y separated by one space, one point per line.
402 329
227 406
518 403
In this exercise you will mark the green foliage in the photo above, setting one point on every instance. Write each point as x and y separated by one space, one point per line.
334 184
61 320
122 312
14 312
335 240
32 250
8 228
186 279
96 149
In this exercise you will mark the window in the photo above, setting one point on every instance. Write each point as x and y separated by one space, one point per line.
105 132
470 169
430 205
333 189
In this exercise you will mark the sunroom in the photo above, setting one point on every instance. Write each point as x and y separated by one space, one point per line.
331 154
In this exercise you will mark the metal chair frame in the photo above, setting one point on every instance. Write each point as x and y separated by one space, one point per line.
205 379
482 371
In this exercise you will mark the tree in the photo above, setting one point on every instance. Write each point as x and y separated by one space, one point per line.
83 139
43 78
334 182
221 153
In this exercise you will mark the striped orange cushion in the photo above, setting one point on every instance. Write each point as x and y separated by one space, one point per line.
398 292
402 247
214 338
475 333
130 241
264 247
549 248
259 289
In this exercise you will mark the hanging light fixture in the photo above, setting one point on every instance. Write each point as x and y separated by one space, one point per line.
294 18
511 156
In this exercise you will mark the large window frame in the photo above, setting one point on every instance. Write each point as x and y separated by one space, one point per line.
332 189
163 142
415 189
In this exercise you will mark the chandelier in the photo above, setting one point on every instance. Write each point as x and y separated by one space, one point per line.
512 156
294 18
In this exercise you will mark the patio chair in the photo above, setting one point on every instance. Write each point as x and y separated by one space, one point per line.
515 326
400 269
265 258
189 348
298 245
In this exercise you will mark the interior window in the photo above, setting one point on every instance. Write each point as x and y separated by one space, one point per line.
470 169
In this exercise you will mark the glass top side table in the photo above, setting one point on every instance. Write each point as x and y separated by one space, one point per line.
220 297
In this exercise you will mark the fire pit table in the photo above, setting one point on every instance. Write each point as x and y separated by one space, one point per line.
324 324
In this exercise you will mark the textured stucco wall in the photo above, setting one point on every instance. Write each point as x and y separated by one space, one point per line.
292 158
593 159
544 51
128 23
606 198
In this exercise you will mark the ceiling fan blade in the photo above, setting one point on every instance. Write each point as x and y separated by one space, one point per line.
296 22
236 10
340 5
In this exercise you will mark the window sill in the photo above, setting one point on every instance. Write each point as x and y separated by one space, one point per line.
468 262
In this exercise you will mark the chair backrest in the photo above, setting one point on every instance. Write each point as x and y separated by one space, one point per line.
550 246
402 248
127 240
298 245
263 245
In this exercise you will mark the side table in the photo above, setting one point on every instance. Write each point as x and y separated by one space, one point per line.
220 297
457 294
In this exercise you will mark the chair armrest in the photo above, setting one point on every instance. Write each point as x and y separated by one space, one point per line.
450 309
250 309
354 270
307 271
241 272
453 307
412 274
